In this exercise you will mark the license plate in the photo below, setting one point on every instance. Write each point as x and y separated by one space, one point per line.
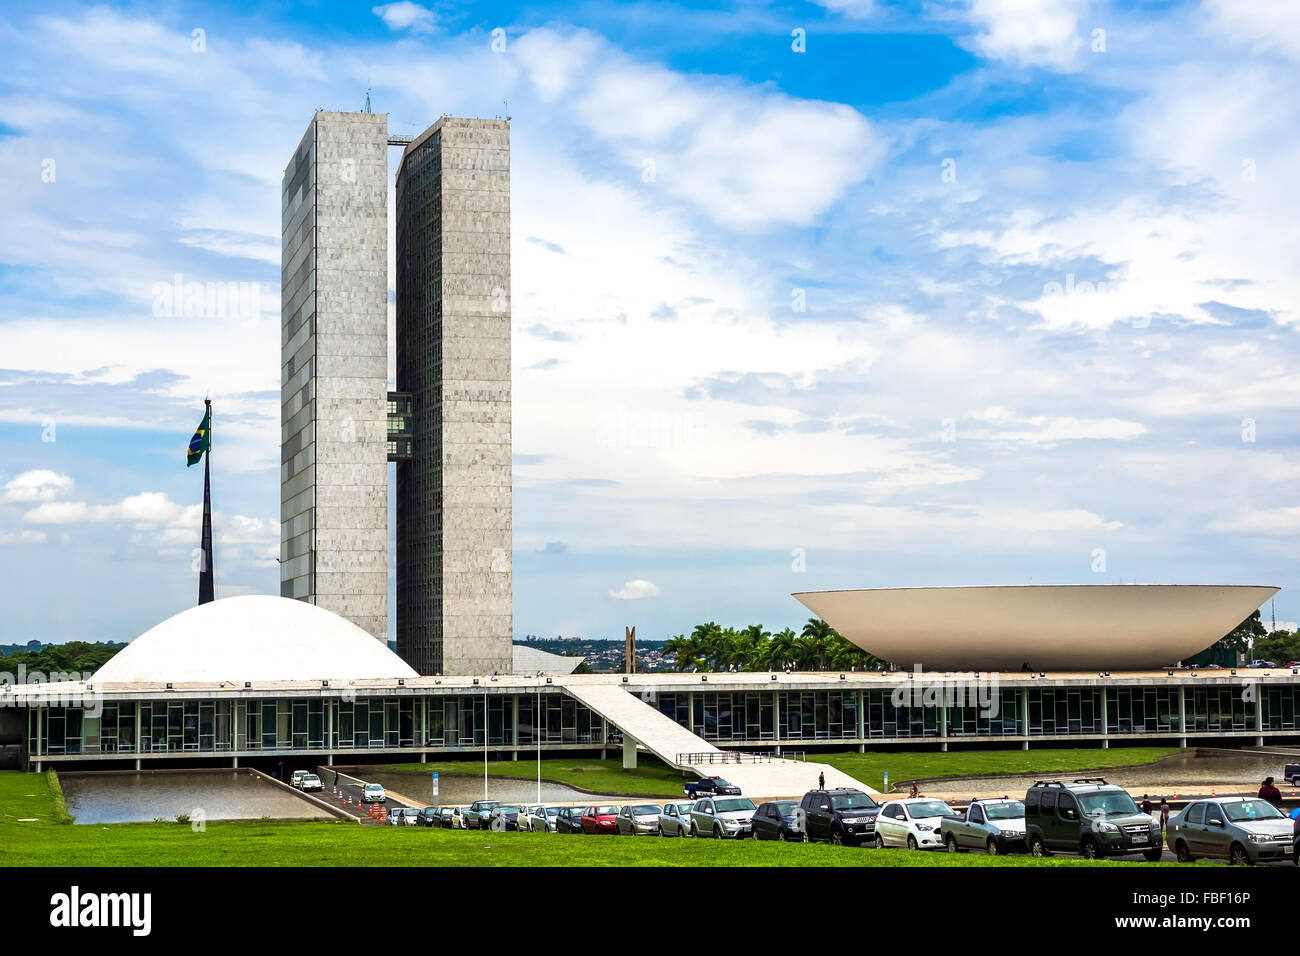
1140 838
1286 850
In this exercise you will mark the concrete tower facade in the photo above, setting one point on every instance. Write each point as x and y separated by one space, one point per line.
334 374
454 581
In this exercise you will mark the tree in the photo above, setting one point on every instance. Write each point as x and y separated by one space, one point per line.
1227 649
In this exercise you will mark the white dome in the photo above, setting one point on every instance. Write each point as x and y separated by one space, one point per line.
253 638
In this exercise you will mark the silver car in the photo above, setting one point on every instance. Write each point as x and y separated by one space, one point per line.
543 819
675 820
638 818
722 817
1242 830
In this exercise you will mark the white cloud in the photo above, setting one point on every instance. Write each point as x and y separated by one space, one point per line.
1264 25
635 590
38 485
748 157
1030 32
22 537
405 15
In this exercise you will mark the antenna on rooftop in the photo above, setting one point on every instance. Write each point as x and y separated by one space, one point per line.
366 108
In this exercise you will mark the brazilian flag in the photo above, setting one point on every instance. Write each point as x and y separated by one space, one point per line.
202 440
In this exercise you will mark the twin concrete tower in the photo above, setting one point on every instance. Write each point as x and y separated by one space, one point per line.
447 424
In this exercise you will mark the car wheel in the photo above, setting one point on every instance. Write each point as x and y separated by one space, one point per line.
837 839
880 841
717 833
1183 854
950 843
1090 850
911 843
991 847
695 831
1037 848
1238 856
804 837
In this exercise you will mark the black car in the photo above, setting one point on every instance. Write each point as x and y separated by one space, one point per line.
710 787
841 816
775 820
429 817
569 820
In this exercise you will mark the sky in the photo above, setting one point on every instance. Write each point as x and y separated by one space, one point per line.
854 293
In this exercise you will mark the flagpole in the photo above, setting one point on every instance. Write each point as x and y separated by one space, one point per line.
207 585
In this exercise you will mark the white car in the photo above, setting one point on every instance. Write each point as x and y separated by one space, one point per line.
310 782
296 780
525 819
914 822
373 793
458 818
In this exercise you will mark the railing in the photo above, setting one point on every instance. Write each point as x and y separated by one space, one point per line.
736 757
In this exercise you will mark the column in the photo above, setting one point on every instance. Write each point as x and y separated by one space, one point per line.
1105 725
862 721
1182 715
1024 717
629 753
138 743
1259 714
776 720
943 721
514 727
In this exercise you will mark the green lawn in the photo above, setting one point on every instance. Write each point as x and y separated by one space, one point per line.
650 779
47 842
870 767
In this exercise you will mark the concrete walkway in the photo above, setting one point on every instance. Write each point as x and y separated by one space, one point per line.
668 740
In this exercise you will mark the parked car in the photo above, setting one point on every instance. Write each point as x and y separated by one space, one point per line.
722 817
569 820
373 793
544 819
1242 830
458 821
913 822
994 826
310 782
507 813
710 787
675 820
525 821
636 819
403 816
1291 774
477 813
1293 663
429 817
1088 816
839 816
1262 663
600 819
447 818
776 820
296 780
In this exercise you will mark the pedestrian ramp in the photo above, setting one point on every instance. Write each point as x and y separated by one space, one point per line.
757 775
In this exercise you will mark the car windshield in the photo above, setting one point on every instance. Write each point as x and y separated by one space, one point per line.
733 803
684 808
929 808
1113 804
786 807
605 811
1009 810
311 778
372 787
645 809
1249 810
719 782
552 811
509 809
488 804
852 801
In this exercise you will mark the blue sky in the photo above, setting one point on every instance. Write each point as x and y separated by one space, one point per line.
961 292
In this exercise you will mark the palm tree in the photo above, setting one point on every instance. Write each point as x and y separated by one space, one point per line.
779 651
687 650
819 633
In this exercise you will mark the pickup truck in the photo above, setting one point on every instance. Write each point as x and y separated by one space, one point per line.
993 825
476 817
710 787
1291 774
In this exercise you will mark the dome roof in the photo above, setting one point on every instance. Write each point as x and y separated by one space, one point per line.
253 638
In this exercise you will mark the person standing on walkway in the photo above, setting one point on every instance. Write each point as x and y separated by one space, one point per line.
1146 804
1270 793
1164 813
821 781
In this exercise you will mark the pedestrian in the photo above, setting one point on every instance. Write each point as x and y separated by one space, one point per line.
821 781
1164 813
1270 793
1146 804
336 779
915 791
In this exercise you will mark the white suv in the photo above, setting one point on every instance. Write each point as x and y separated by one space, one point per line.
373 793
913 822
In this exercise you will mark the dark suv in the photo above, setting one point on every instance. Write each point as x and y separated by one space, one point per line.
842 816
1088 816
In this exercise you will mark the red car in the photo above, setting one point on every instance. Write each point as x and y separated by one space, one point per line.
603 819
